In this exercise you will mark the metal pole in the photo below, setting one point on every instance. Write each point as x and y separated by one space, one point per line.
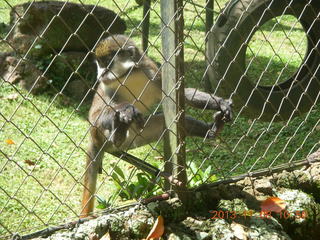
145 24
173 92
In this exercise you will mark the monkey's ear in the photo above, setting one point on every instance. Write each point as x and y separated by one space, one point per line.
132 50
134 53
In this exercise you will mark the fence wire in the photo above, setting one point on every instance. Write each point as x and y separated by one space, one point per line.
264 55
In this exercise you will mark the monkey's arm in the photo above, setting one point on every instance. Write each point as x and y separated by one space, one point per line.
203 100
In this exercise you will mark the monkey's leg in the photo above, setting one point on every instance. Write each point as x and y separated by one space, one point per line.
93 165
155 127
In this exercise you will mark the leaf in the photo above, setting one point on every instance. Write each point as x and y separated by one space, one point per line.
100 199
10 141
38 46
142 180
124 195
29 162
157 229
102 203
207 172
212 178
130 188
102 206
116 178
138 190
193 167
273 204
117 170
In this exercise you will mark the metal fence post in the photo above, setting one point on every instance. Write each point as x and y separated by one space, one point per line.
145 24
209 24
173 91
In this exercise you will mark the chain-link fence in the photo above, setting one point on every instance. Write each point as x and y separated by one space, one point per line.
59 57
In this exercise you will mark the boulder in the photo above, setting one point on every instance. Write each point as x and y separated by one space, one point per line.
24 73
71 73
77 69
50 26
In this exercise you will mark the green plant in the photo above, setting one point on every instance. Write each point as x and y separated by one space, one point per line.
142 187
198 176
102 202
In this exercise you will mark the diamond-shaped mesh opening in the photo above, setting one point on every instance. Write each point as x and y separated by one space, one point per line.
281 45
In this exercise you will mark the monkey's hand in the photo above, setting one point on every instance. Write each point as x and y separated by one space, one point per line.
128 114
221 117
123 116
225 106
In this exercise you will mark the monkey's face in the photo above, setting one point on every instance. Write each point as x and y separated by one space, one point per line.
115 58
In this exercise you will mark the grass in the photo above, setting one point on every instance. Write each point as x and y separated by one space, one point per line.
40 174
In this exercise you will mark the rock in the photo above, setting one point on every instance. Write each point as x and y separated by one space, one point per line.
301 217
296 200
140 222
246 224
179 236
73 68
25 73
286 179
315 172
56 22
263 185
236 205
77 90
203 236
239 231
5 60
248 229
314 156
247 181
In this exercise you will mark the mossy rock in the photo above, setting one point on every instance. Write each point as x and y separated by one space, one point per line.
62 27
71 73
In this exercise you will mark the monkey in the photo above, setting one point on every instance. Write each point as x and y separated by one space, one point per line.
120 115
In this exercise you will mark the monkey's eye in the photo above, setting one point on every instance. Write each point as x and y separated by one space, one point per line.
123 53
131 51
104 61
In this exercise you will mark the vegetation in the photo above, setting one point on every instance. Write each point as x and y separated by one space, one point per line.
40 174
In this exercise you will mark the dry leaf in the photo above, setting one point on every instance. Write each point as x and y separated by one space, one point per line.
106 236
157 229
29 162
10 141
273 204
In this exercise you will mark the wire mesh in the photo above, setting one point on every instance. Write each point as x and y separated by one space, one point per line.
262 54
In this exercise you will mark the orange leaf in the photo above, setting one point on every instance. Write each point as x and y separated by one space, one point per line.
10 141
273 204
157 229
